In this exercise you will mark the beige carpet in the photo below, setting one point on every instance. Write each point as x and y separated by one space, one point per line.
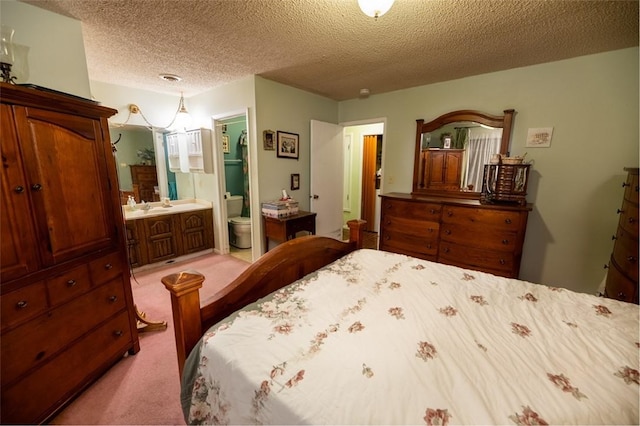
144 389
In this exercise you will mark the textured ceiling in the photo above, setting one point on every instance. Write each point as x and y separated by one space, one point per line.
329 47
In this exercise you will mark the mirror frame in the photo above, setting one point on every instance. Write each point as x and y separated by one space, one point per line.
504 121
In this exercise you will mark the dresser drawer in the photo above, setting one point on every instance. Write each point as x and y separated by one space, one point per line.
629 218
631 188
408 242
625 253
23 304
411 210
619 286
68 285
62 376
497 219
106 268
485 237
499 263
37 341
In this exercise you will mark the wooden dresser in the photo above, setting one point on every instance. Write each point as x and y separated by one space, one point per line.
66 303
455 231
146 178
622 275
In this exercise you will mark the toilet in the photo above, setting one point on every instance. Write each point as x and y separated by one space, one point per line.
239 227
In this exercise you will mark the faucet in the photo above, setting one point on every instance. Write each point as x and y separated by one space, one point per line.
145 206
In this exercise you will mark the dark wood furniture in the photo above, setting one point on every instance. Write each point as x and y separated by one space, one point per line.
286 228
622 275
146 179
67 308
461 232
281 266
442 169
159 238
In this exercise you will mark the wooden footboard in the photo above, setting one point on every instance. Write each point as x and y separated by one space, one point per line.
277 268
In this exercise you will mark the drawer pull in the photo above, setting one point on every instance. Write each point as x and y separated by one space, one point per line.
631 259
449 213
619 211
613 237
36 187
432 211
386 237
622 296
632 220
71 283
113 298
108 266
507 221
18 189
446 250
448 231
118 333
502 262
505 242
430 229
40 355
388 222
606 266
625 184
428 246
22 304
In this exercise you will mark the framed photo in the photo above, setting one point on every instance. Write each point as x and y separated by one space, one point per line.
288 145
446 140
225 144
295 181
268 140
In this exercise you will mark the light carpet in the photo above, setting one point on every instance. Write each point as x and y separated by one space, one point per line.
144 389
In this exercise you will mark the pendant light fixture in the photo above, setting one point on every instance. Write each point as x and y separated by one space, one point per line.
375 8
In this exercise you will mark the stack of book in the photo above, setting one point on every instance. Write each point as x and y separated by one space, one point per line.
280 209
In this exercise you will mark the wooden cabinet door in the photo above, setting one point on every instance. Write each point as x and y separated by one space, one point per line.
163 238
197 231
18 244
443 168
68 183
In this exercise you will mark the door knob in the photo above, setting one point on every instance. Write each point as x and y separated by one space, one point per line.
315 196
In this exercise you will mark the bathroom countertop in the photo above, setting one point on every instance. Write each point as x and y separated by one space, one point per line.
157 209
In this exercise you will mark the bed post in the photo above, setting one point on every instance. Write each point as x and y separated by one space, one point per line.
185 304
356 229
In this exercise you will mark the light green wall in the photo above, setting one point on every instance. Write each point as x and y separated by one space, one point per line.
592 104
284 108
56 55
131 140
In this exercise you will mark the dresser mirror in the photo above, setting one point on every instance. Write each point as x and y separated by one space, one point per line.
451 151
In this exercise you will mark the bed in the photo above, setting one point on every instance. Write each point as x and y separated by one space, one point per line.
358 336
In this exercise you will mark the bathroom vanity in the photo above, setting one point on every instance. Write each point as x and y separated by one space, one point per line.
159 233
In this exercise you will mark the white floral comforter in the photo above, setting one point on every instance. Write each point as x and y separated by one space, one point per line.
381 338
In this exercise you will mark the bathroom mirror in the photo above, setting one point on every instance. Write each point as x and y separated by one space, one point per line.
451 151
129 141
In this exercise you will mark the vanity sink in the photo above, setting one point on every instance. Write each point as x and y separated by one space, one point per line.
157 209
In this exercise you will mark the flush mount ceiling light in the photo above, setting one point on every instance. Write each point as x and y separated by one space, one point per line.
375 8
170 77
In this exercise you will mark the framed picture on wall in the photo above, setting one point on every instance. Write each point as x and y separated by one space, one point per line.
288 145
295 181
225 144
268 140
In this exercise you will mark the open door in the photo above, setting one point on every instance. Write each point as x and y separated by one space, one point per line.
370 181
326 177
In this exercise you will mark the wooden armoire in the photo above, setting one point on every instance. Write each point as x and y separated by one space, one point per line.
67 308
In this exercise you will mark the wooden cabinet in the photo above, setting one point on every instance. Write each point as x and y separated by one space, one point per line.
622 276
160 238
146 179
459 232
67 307
442 169
286 228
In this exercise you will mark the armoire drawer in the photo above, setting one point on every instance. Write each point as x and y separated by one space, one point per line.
69 284
106 268
38 340
55 381
498 219
23 304
499 263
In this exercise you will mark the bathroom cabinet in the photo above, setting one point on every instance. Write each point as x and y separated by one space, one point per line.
167 236
66 302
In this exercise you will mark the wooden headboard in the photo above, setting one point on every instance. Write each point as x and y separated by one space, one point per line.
277 268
